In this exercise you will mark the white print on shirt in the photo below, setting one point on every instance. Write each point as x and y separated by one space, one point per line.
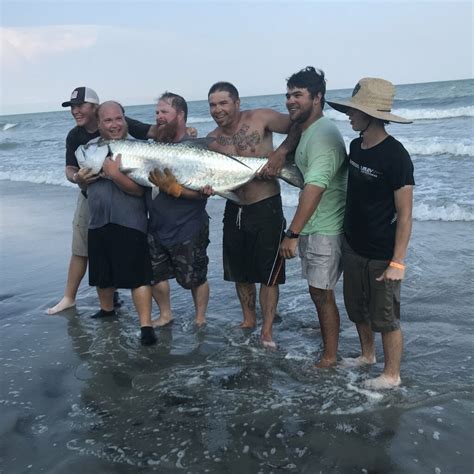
365 169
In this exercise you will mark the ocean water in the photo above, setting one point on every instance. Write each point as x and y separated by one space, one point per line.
78 394
440 142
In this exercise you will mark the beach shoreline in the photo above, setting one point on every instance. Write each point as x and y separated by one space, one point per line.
79 394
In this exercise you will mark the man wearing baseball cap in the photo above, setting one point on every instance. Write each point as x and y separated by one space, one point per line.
84 102
377 226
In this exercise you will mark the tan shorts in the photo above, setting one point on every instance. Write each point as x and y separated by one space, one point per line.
80 226
321 262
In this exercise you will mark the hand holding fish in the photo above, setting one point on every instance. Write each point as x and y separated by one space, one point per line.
192 132
207 190
111 168
166 181
85 176
272 168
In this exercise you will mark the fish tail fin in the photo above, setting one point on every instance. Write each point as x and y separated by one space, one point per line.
291 174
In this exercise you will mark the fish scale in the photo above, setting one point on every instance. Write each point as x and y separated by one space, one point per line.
193 167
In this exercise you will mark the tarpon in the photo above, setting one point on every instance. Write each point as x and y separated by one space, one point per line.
193 166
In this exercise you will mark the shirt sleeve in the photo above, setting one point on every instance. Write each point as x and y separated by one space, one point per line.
402 173
137 129
324 161
71 147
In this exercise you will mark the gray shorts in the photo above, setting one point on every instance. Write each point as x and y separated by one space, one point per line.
321 262
80 226
376 303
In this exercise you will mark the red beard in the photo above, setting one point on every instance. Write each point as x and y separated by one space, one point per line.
166 133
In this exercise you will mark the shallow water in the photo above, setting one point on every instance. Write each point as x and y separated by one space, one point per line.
80 394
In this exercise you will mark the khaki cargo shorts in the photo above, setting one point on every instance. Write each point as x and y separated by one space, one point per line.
80 226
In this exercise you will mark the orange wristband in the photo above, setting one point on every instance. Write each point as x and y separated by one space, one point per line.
397 265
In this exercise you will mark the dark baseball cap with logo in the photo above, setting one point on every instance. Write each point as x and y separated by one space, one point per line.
80 95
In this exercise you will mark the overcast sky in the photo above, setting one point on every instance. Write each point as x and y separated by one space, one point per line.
132 51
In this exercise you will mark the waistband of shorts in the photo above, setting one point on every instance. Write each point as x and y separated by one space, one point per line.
267 202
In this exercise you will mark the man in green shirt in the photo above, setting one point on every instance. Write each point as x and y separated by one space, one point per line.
317 226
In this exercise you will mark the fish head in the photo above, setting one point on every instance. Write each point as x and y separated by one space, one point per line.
92 155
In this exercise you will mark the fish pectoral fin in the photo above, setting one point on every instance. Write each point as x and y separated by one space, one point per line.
228 195
291 174
155 190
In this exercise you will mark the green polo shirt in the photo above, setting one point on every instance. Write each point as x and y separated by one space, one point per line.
321 157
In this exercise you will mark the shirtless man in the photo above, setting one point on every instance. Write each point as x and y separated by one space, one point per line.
252 229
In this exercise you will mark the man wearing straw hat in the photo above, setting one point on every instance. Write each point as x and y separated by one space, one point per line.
377 226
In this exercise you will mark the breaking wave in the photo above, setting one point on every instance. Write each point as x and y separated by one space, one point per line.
416 114
449 213
7 126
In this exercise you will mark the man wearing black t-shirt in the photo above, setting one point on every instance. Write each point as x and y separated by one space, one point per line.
377 226
84 102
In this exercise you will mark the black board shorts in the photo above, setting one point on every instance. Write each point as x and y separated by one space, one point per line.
251 242
118 257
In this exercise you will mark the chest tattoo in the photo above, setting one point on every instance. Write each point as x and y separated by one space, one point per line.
241 140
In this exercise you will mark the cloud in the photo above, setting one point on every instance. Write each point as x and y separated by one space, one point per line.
31 45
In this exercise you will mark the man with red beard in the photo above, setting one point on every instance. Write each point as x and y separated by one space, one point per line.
178 228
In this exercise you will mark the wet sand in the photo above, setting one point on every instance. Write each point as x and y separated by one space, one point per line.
78 394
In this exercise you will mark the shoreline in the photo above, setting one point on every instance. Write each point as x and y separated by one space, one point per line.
80 394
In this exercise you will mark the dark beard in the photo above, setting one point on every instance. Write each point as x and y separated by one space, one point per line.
167 132
303 116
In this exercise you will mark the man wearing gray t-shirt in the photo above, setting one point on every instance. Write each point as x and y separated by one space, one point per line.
118 249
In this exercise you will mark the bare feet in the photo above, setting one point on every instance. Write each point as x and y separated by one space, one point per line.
357 361
64 304
200 322
326 363
383 382
267 341
247 325
161 321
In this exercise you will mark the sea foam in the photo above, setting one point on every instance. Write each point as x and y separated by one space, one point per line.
450 213
8 126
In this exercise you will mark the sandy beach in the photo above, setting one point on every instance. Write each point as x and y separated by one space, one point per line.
78 394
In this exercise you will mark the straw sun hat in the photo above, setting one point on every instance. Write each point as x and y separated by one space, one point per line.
373 97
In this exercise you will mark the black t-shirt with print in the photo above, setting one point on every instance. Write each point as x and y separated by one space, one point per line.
80 136
374 174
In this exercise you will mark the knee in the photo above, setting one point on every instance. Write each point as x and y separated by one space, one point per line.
321 297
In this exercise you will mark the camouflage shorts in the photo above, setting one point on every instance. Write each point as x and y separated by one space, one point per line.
187 261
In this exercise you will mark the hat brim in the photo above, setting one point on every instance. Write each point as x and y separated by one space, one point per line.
343 106
73 102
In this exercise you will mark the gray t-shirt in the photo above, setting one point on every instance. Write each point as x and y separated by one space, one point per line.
108 204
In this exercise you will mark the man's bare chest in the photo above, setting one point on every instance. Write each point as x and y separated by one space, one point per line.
245 141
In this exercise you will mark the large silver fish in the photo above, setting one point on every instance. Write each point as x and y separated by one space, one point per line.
193 166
